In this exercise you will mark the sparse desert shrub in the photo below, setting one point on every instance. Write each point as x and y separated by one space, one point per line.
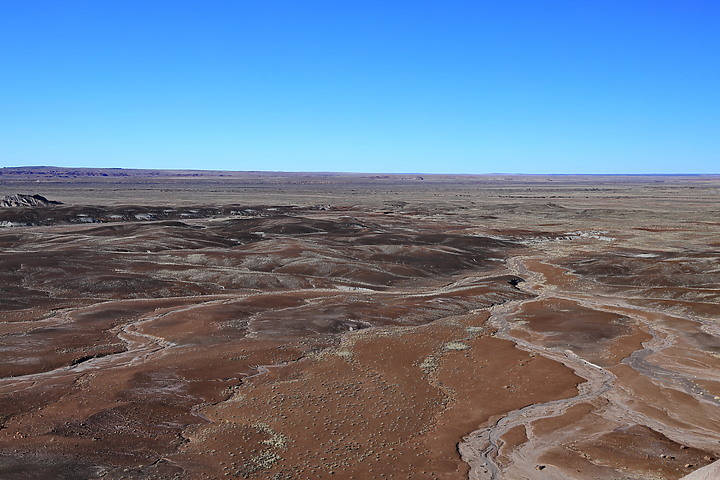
429 365
450 346
276 440
475 330
345 354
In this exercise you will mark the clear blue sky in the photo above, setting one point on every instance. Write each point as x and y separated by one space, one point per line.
375 86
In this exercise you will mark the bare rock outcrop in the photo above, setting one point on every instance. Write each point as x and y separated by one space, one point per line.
22 200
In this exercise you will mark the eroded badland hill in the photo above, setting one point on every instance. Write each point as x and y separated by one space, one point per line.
292 326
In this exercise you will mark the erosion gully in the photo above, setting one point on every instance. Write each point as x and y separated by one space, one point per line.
481 449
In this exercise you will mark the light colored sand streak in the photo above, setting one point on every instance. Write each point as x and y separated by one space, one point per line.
481 448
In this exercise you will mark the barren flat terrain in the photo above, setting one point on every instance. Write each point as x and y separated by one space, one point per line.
160 325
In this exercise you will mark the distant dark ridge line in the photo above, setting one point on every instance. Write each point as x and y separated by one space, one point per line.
87 214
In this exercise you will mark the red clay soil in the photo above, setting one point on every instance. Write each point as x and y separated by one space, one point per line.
430 329
384 401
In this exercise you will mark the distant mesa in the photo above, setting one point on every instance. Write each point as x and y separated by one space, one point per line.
22 200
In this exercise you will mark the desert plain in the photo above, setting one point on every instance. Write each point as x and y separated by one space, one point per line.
209 325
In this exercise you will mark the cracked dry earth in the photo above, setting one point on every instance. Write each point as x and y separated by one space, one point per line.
358 342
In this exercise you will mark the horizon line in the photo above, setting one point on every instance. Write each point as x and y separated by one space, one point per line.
649 174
